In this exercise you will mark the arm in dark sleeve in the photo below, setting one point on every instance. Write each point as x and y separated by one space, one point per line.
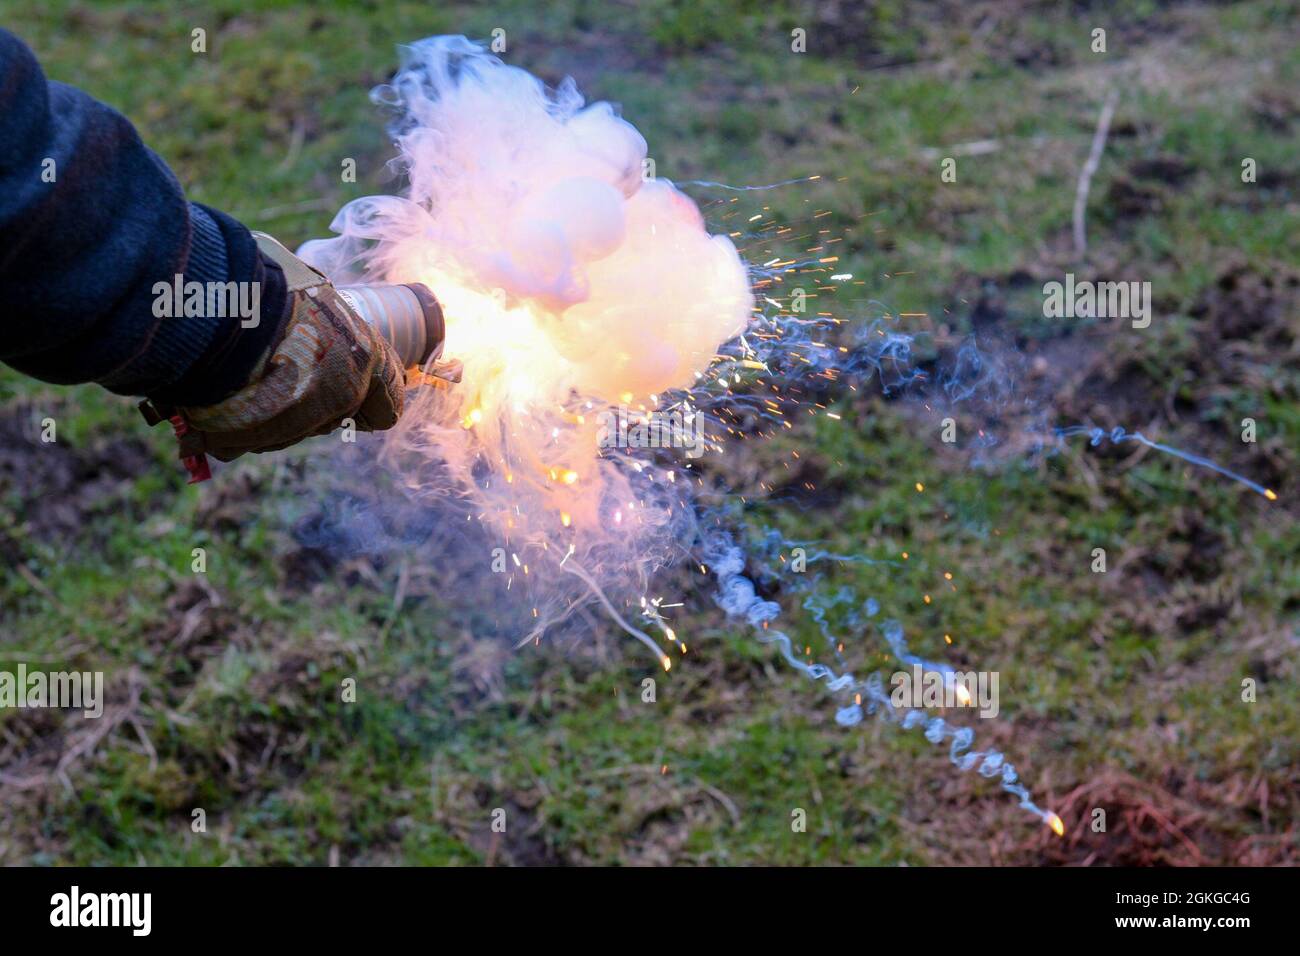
90 221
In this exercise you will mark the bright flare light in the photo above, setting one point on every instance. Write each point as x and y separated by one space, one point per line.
569 279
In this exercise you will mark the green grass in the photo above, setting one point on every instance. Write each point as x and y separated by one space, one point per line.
226 687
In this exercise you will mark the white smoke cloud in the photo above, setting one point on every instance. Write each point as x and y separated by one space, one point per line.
527 214
569 283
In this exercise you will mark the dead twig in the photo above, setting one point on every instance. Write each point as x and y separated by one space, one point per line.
102 728
38 585
727 803
1089 169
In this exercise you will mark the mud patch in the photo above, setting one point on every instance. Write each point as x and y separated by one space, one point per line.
56 489
1275 108
519 843
1144 189
1252 305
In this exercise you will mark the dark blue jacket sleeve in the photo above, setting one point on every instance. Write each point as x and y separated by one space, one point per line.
90 222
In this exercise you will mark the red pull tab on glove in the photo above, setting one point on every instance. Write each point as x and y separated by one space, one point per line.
196 464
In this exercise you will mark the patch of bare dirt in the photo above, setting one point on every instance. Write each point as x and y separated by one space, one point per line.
1248 304
54 490
516 840
1276 108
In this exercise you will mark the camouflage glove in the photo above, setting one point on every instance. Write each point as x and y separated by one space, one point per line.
329 365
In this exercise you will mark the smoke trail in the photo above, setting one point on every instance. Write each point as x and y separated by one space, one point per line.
737 597
1116 435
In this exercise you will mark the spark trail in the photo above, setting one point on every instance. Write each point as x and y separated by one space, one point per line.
1116 435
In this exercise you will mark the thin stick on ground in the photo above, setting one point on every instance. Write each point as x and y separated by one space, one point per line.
1089 169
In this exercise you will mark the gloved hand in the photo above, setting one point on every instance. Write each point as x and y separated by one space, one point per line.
329 365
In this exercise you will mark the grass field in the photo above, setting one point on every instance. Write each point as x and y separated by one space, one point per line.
1120 691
